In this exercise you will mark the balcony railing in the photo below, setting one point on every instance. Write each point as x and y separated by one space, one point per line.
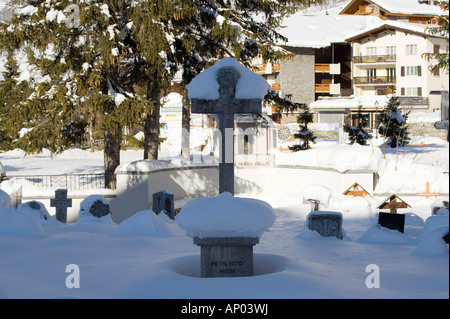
322 67
323 88
374 58
360 80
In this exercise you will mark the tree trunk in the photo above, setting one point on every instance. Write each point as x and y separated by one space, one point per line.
112 156
151 128
185 126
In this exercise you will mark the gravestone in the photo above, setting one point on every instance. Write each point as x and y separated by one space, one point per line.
392 221
61 202
225 107
327 224
226 257
99 209
163 202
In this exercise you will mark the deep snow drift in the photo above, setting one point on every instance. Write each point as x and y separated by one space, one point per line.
150 256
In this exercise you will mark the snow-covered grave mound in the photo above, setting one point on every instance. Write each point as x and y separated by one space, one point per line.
249 85
225 216
143 223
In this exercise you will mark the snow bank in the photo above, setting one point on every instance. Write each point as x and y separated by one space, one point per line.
15 223
225 216
343 158
143 223
249 86
377 234
5 200
318 193
38 211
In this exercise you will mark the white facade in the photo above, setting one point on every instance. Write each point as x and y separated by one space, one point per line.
389 60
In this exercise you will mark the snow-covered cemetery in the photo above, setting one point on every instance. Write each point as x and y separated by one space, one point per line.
224 150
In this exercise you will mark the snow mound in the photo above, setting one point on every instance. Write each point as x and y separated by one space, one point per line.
318 193
143 223
85 214
15 223
377 234
342 158
225 216
249 86
5 200
39 212
358 209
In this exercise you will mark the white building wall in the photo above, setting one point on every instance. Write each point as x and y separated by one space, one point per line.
427 81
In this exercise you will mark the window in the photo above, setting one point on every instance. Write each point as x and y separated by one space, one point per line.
371 51
417 91
371 75
390 51
415 70
411 49
390 75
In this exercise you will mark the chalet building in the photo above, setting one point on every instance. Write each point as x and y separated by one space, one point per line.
369 50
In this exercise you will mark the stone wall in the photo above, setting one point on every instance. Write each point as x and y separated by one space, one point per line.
297 76
426 129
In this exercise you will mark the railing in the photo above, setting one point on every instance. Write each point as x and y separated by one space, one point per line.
276 87
359 80
70 182
322 67
375 58
322 87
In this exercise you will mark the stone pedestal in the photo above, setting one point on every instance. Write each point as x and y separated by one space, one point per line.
226 257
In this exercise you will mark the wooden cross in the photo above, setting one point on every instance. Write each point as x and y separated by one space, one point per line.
427 192
355 191
392 204
61 202
225 107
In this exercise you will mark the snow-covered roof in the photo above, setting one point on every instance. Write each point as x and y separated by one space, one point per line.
405 7
421 29
319 31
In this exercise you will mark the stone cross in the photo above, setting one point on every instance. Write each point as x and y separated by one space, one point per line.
61 202
225 107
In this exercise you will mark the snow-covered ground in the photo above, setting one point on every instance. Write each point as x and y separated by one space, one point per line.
146 256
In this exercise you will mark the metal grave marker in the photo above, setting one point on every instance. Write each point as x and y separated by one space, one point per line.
61 202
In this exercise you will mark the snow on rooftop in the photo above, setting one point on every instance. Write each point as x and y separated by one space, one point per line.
318 31
409 7
249 86
350 102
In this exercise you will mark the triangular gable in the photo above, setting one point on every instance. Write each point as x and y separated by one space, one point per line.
356 190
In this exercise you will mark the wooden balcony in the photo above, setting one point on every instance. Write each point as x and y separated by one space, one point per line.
322 88
276 87
375 59
322 67
266 68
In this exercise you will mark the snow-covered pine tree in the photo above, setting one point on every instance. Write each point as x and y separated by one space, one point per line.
304 134
357 133
94 61
393 124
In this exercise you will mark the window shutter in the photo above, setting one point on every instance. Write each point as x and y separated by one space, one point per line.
402 71
402 91
419 91
419 70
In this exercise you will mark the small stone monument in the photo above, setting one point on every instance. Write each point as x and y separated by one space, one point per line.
163 202
61 202
327 224
227 73
226 228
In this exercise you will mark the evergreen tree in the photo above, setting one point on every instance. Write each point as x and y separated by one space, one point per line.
357 133
94 62
304 134
442 61
393 124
